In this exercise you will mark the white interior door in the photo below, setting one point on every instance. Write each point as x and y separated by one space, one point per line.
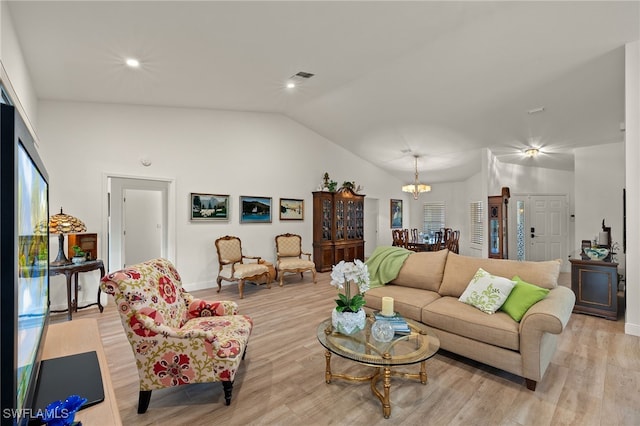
143 225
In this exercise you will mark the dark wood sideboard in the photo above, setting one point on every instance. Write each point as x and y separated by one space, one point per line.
595 284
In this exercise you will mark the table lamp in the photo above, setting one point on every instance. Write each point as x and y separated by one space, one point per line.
62 223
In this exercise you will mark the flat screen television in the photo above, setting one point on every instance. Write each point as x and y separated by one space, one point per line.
24 266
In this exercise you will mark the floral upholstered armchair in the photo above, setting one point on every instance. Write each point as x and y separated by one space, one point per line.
176 338
289 253
232 265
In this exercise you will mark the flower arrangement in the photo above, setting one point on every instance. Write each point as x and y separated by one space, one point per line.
342 275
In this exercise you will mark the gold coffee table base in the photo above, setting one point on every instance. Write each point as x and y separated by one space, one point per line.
380 372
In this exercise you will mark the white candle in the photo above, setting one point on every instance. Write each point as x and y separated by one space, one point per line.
603 238
387 306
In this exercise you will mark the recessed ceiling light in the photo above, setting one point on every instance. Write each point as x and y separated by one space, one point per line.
531 152
291 85
133 63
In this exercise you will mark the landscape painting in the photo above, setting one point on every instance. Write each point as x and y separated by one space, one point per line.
209 207
255 209
291 209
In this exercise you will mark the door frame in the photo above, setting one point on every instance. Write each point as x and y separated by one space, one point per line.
114 261
371 228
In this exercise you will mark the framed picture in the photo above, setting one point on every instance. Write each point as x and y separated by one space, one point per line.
291 209
209 207
396 214
255 209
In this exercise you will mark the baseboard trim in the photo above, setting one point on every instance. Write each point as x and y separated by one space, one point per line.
632 329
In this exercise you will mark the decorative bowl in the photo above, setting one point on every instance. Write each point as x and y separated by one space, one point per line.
596 253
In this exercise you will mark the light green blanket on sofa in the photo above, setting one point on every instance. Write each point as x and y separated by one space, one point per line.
385 263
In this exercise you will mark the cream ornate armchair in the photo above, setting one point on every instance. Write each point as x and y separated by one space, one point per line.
289 256
233 268
176 339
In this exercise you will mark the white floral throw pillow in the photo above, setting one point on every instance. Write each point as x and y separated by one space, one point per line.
487 292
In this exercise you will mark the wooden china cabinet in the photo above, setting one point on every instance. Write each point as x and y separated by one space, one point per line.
498 225
338 227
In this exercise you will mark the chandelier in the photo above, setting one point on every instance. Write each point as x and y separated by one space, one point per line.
416 188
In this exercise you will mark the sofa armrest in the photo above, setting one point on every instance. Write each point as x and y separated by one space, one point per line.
550 314
538 330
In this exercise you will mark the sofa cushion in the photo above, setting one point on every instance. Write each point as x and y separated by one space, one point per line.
522 297
487 292
407 301
453 316
423 270
459 270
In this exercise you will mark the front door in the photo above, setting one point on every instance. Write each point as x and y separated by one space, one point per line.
540 229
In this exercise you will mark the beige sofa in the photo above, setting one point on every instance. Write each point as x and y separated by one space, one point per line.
427 290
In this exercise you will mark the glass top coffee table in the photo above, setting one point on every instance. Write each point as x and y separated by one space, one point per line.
416 347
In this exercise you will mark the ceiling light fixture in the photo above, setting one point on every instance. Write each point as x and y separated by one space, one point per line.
535 110
297 79
416 188
133 63
531 152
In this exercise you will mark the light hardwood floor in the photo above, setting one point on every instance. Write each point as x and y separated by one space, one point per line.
594 377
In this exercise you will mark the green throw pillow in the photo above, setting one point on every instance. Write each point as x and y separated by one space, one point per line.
522 297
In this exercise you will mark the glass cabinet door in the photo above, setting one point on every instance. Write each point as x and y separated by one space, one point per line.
327 219
339 219
496 222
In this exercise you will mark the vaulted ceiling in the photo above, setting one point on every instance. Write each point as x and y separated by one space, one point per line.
441 80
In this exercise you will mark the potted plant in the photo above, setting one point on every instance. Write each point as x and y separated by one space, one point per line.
348 317
79 255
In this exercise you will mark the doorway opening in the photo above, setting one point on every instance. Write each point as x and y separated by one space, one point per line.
140 225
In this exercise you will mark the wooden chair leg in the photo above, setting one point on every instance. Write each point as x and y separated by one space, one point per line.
241 288
219 281
281 278
268 279
313 271
143 401
228 387
531 384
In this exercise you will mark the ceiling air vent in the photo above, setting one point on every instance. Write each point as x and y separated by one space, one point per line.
304 74
298 78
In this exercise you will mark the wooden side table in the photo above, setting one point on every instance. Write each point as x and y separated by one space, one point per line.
595 284
72 270
86 337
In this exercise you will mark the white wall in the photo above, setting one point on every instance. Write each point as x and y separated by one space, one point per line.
15 73
598 193
214 152
632 178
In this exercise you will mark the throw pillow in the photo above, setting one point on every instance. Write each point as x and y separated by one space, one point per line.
523 296
487 292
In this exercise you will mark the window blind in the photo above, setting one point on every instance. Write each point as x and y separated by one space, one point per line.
433 217
476 211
